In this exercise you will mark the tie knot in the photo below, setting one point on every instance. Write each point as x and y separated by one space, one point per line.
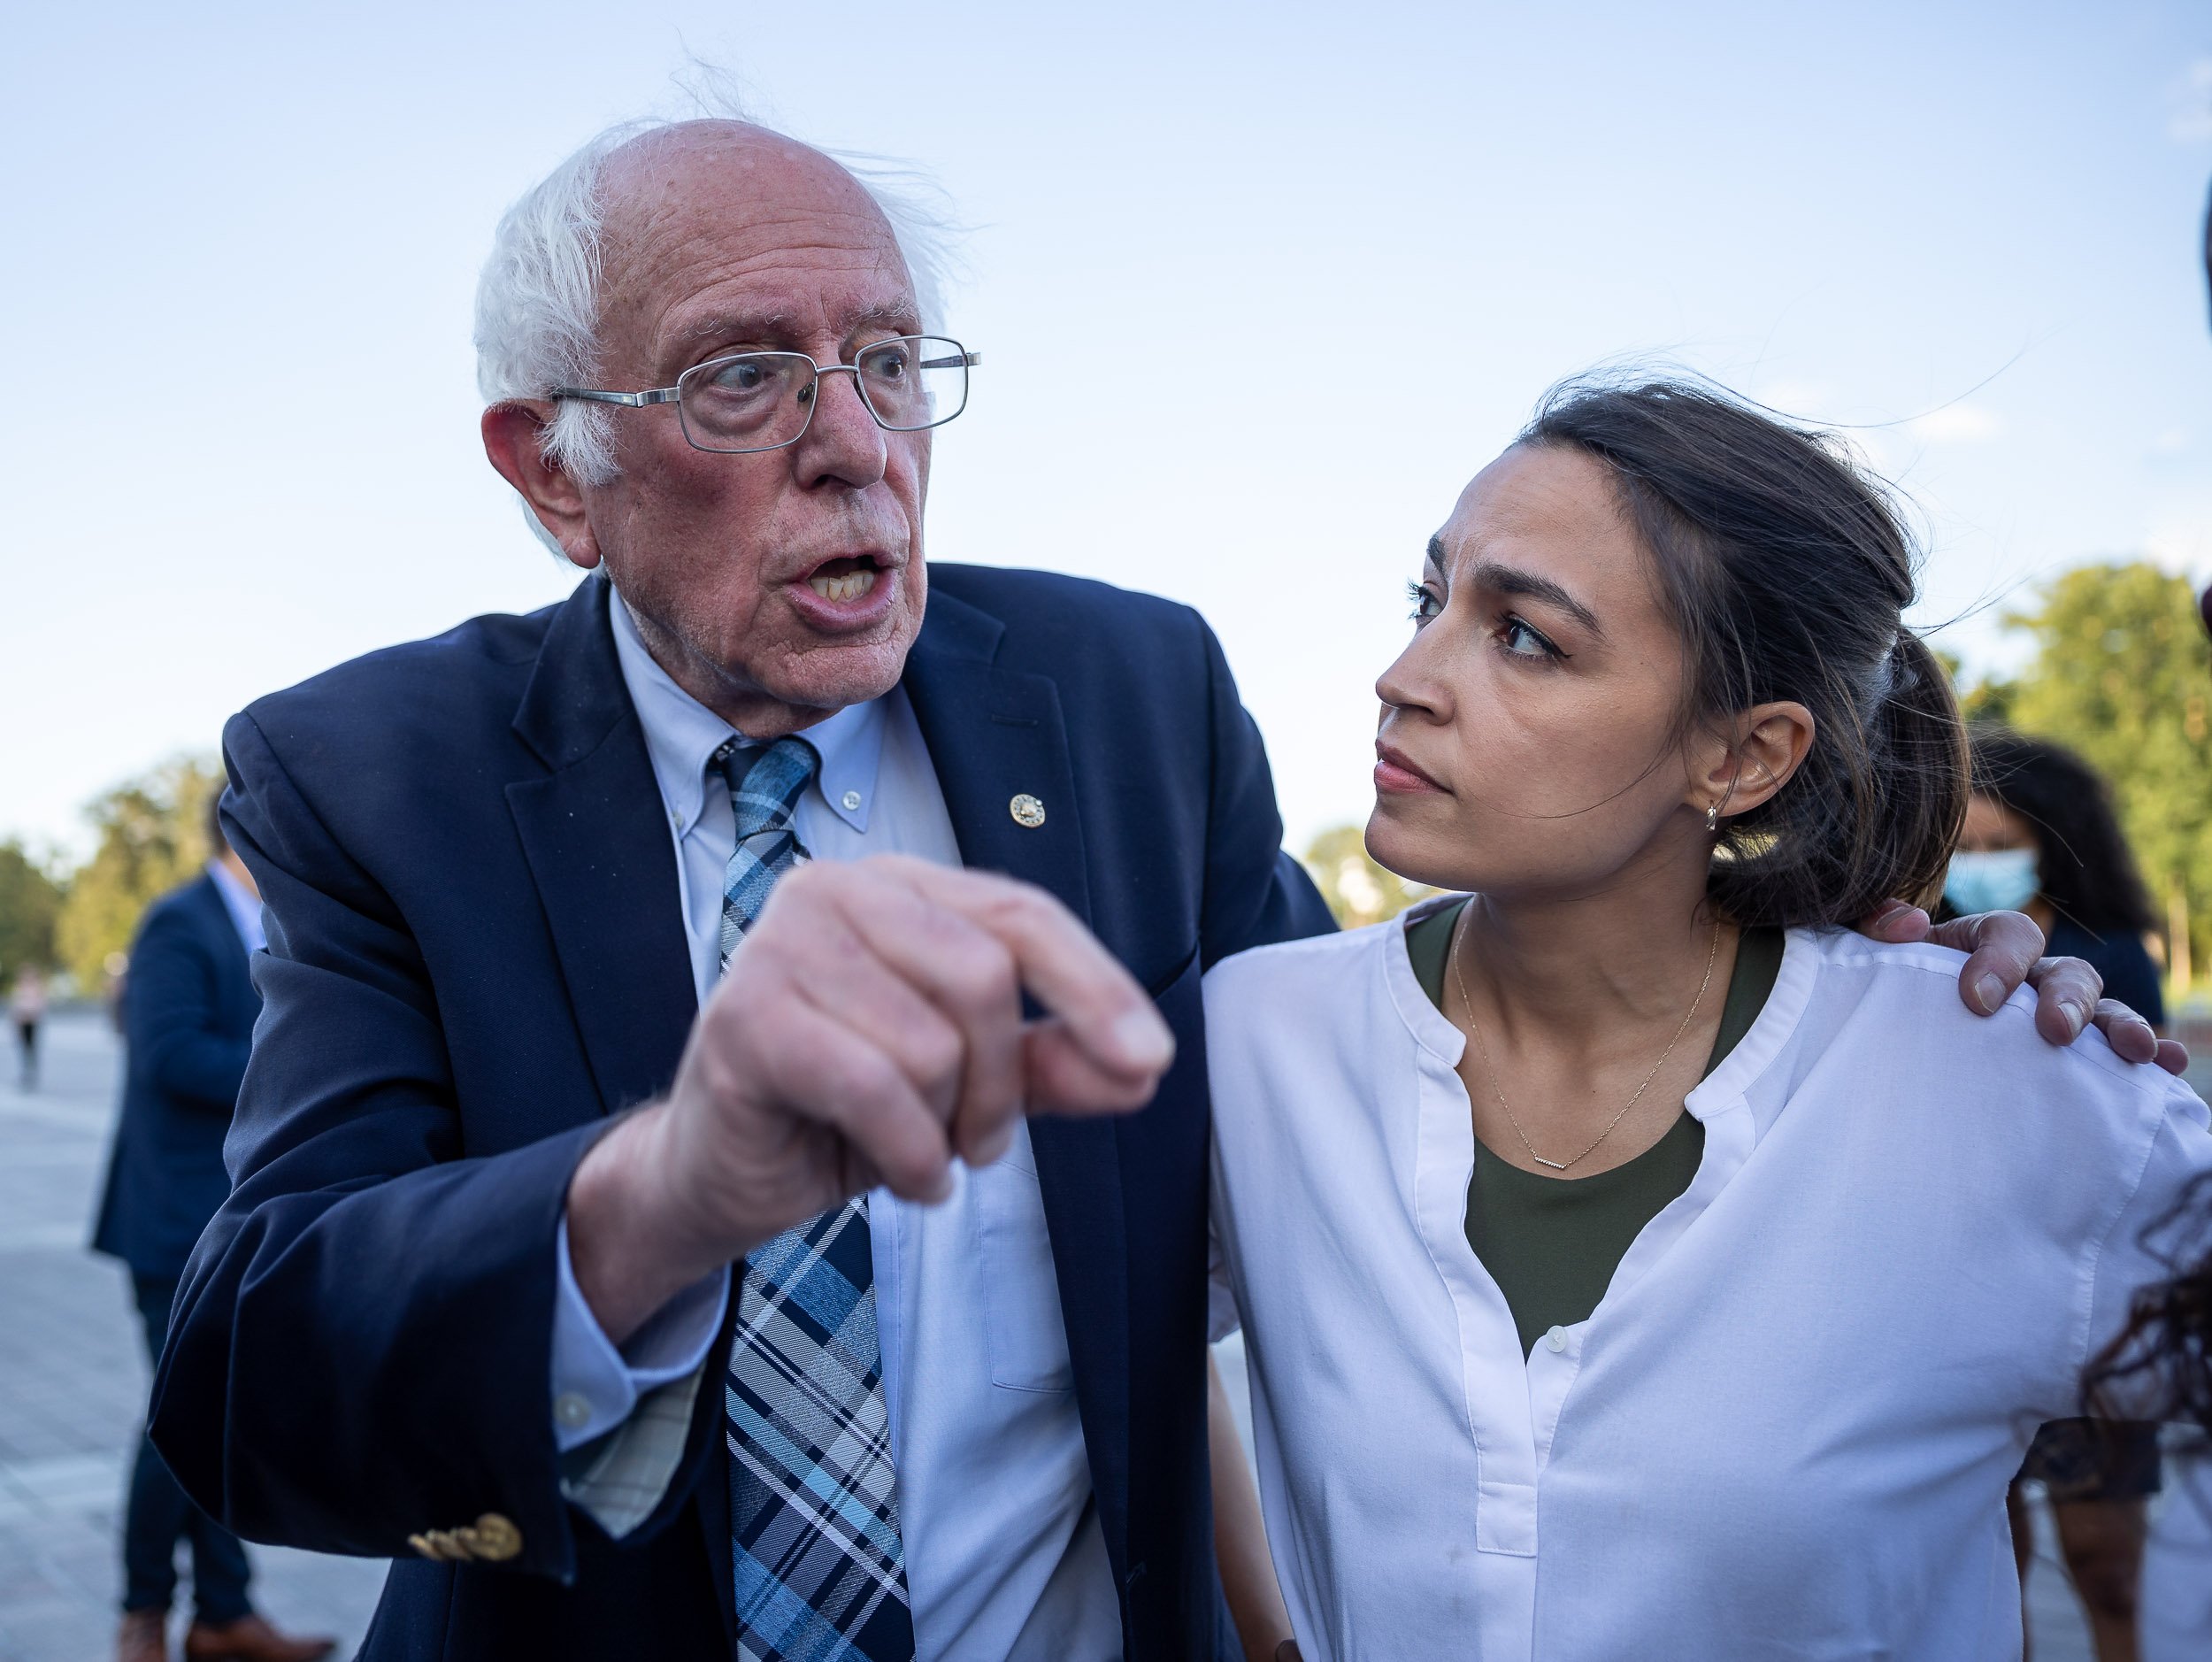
766 785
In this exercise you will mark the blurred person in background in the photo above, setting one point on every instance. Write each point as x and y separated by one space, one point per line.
2168 1348
2170 1342
2041 836
26 1008
188 1016
2040 830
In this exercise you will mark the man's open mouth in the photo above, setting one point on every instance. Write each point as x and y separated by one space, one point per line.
847 578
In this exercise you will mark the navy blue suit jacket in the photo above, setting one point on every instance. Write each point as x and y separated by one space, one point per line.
189 1009
477 954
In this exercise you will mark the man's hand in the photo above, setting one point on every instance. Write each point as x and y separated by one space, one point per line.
869 1027
2004 950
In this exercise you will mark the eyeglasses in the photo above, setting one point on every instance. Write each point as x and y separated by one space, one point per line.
762 401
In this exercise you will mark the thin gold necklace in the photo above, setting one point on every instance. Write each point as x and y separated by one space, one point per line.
1459 981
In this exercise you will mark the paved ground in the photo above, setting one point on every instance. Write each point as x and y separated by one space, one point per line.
73 1380
72 1383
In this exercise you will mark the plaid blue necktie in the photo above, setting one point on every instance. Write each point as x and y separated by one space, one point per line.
820 1572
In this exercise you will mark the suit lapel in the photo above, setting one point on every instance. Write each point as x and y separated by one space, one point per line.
593 832
995 735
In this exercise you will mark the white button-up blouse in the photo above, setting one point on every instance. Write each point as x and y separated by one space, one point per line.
1787 1429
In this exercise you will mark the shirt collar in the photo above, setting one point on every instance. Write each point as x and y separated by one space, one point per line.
245 909
681 734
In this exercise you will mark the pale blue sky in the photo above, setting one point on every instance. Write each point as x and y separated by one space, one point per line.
243 239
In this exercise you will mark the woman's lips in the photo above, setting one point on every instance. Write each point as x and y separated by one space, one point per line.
1395 772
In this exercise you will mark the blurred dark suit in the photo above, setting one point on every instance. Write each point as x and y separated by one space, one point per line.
188 1012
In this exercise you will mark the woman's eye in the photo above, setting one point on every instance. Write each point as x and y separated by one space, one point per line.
1517 639
1427 604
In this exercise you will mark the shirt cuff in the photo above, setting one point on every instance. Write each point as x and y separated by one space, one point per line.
596 1385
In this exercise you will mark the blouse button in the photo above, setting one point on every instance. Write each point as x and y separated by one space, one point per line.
1556 1338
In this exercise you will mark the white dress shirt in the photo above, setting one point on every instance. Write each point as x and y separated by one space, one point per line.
243 905
1005 1552
1787 1429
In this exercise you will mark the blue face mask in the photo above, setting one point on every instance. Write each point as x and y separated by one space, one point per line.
2003 881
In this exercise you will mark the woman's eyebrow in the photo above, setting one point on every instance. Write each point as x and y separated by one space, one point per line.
1511 579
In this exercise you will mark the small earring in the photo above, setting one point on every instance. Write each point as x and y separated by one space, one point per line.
1712 820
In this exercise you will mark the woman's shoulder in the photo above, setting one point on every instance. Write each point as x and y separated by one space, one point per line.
1909 995
1314 975
1311 959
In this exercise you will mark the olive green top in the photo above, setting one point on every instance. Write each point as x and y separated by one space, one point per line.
1552 1244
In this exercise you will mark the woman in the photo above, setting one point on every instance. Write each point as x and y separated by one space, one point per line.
2040 836
1633 1263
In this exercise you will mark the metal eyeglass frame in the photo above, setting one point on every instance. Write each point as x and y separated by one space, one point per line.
965 360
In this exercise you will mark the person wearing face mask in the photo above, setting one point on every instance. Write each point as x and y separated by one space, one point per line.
2040 834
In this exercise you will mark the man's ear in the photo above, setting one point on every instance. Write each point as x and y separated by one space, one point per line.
514 439
1767 745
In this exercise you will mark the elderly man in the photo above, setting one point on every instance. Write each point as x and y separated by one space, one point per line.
637 1231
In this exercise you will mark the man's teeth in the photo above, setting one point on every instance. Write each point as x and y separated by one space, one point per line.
849 587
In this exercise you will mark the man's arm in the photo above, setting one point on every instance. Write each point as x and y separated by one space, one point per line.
362 1347
169 1019
359 1351
1255 892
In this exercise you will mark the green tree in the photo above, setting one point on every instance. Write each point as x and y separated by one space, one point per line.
2123 674
152 836
30 901
1358 891
1990 699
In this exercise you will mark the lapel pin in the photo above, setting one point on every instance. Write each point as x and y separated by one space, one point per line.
1028 810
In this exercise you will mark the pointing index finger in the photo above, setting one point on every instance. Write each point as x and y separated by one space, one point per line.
1062 964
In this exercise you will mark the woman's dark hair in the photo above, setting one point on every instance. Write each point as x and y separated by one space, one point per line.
2161 1367
1787 570
2083 866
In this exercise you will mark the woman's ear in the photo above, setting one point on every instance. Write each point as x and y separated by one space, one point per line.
1761 748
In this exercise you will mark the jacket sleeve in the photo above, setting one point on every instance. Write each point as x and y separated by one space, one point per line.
169 1016
361 1349
1255 892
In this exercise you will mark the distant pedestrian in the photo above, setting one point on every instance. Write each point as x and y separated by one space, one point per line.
27 1009
2041 837
187 1023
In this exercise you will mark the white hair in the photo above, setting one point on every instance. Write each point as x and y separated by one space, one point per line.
537 302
